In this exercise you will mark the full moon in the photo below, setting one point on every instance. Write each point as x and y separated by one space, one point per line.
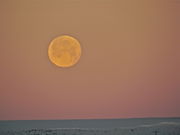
64 51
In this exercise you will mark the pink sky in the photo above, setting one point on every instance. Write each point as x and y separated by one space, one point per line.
130 64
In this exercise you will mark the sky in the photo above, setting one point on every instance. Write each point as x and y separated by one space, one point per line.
129 68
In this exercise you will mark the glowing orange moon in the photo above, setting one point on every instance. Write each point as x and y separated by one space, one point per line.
64 51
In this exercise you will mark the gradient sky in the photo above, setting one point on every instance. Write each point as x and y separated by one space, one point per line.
130 64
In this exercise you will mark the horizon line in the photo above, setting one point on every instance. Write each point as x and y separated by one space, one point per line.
174 117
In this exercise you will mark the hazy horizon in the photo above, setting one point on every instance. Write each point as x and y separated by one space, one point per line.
95 118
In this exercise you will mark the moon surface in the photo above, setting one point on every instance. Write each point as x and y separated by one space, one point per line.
64 51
